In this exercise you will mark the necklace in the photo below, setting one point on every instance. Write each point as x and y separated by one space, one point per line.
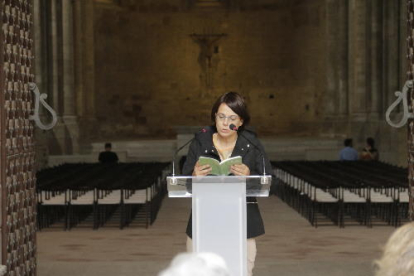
224 152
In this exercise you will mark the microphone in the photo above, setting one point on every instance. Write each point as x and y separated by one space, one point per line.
183 146
234 128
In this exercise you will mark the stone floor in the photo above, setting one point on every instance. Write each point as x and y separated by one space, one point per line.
290 247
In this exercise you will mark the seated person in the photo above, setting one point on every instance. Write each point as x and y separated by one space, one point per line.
108 156
369 152
348 153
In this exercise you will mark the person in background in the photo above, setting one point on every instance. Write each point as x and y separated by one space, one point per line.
197 264
108 156
398 253
369 153
348 153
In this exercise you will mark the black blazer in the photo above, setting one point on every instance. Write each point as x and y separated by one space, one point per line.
202 145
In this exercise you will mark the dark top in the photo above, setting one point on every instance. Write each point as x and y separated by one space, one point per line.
369 154
202 145
108 157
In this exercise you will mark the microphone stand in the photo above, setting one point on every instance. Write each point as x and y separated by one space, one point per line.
173 179
264 178
175 155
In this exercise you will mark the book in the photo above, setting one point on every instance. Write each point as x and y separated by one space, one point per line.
220 168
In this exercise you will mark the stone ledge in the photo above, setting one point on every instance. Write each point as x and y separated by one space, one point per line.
277 149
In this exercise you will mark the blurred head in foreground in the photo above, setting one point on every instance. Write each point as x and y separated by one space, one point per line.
398 255
197 264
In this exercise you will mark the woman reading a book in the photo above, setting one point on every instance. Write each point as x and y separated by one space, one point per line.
222 143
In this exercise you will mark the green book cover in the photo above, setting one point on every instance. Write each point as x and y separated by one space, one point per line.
220 168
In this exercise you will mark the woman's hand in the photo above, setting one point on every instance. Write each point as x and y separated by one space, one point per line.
201 170
240 169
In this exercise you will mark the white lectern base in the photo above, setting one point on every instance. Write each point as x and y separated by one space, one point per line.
222 229
219 213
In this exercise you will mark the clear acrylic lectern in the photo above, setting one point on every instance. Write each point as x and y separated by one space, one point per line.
219 213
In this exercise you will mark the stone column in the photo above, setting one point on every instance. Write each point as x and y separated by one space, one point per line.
375 50
69 97
85 65
41 78
403 14
55 72
3 150
37 33
53 40
358 58
89 56
337 60
67 45
84 57
78 58
58 142
410 74
393 55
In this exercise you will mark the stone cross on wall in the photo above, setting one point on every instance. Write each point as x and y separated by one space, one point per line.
207 42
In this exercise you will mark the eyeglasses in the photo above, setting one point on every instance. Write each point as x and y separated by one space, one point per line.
222 117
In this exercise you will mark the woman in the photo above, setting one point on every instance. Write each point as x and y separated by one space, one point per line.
370 153
220 142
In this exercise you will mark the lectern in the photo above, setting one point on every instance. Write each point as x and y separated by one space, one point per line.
219 213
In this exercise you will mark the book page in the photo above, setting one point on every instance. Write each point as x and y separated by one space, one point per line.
214 164
226 164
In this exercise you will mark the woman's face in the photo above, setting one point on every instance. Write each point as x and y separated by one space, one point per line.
225 116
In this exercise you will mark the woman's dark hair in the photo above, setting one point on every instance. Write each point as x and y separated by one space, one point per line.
236 102
371 142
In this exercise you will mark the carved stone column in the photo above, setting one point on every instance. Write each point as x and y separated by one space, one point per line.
18 198
410 76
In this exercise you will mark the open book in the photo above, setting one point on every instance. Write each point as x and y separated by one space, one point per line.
220 168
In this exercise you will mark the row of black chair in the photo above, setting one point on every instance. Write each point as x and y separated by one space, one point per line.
343 192
124 194
81 176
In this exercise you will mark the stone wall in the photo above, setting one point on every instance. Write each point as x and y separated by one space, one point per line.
121 70
151 74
